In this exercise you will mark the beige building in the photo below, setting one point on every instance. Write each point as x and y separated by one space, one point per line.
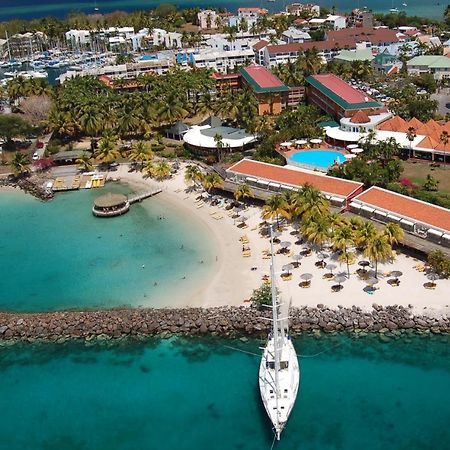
208 19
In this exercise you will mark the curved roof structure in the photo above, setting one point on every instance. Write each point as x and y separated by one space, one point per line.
360 117
203 136
109 200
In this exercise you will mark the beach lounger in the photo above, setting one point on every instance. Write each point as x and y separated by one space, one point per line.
218 217
199 206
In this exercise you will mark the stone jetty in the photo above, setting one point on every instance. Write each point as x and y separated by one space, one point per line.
222 321
30 185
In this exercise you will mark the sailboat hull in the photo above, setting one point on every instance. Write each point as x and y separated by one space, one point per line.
279 409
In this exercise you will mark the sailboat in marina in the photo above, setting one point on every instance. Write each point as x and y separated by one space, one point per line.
279 373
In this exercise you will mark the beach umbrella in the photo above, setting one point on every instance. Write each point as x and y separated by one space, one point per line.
364 263
372 281
301 142
297 259
340 279
432 276
243 219
285 244
396 274
306 276
323 255
286 144
351 146
287 268
331 267
315 141
357 150
350 156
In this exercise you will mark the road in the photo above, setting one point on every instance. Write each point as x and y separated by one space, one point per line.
442 97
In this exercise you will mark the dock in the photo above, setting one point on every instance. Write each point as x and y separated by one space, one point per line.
140 197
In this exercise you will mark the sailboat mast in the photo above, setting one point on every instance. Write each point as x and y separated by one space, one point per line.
7 44
275 330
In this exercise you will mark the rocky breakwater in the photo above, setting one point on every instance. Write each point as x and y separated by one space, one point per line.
31 185
224 321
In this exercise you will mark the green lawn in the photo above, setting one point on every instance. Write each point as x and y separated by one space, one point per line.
417 173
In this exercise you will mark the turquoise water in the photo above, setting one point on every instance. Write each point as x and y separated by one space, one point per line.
320 159
57 255
30 8
199 394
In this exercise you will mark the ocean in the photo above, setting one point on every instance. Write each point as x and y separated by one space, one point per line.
28 9
183 394
57 255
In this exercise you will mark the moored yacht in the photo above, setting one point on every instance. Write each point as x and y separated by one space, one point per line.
279 373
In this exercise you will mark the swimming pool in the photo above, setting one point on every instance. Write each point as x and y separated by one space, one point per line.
316 159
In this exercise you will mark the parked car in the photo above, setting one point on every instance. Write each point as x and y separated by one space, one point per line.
35 156
39 144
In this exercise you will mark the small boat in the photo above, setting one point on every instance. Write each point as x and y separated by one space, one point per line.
405 4
393 10
279 373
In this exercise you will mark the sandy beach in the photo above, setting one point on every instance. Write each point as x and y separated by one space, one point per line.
234 280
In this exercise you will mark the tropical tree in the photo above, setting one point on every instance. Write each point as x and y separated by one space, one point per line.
20 164
212 181
161 170
193 174
444 138
411 135
274 207
107 148
378 250
343 239
219 145
365 233
149 168
317 230
12 125
393 232
243 191
430 184
141 152
85 162
312 203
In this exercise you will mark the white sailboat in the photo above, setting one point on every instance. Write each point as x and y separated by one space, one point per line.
279 373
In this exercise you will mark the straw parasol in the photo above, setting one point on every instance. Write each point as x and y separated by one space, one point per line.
372 281
340 278
110 200
297 259
306 276
331 267
396 274
285 244
287 268
364 263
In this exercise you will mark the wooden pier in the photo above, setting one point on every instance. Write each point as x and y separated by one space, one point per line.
140 197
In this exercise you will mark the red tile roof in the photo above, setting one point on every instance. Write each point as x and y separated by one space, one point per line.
395 123
260 44
360 117
407 207
263 77
342 89
270 172
252 9
428 142
373 35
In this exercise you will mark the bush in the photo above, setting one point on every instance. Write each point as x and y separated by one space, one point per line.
168 153
440 263
52 148
262 295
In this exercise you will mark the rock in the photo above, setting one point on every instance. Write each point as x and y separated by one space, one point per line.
3 328
203 328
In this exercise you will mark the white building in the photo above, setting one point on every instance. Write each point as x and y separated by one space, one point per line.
78 37
293 35
439 66
167 39
208 19
223 61
333 21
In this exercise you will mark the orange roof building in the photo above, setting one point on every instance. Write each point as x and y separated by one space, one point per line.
267 176
360 117
415 216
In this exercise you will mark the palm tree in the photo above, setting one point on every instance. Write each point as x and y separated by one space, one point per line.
378 250
193 175
317 230
107 149
365 233
243 191
149 168
274 207
219 145
141 152
394 233
20 164
212 181
343 238
161 170
444 138
85 162
411 135
312 203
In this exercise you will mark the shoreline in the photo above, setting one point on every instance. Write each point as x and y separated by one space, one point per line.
220 321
